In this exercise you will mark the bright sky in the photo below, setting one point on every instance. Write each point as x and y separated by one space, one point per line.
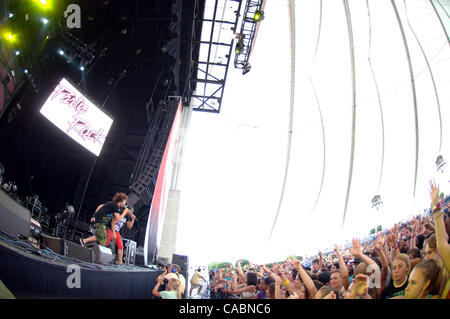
234 162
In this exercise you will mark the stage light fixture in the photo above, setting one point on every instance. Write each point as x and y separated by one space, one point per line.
44 20
43 2
259 15
440 163
376 202
247 69
82 68
10 37
239 46
11 15
17 52
61 52
25 71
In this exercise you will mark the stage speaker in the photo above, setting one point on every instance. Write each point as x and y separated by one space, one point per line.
53 243
14 218
103 255
181 261
129 251
140 261
79 252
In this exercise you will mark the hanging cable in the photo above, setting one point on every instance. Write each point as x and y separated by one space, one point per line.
323 142
378 96
413 88
352 57
320 111
318 33
431 75
291 110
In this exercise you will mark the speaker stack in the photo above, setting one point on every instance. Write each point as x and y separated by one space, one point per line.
14 218
103 255
183 262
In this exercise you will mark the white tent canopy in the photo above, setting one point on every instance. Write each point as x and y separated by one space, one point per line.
369 115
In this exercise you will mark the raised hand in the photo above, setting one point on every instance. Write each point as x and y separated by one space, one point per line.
356 247
331 295
336 249
379 243
434 193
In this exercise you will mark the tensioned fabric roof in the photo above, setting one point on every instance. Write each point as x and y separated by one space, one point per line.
345 100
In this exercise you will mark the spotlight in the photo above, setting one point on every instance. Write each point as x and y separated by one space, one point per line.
10 37
440 163
240 44
46 37
82 68
376 202
61 52
17 52
259 16
43 2
11 15
25 71
44 20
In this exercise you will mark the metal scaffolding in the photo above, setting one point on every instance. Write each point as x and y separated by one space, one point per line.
210 68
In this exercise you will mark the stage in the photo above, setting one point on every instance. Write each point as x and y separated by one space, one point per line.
29 272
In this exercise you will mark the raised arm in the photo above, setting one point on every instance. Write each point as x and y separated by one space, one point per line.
379 244
343 270
241 272
305 277
357 252
441 235
320 260
277 285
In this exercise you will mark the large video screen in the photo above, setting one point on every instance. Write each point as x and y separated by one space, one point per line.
76 116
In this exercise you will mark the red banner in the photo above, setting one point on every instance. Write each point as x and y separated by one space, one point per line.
160 196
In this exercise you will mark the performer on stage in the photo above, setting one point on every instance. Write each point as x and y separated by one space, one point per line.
126 217
105 218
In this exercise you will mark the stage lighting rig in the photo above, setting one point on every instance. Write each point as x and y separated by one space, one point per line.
75 50
259 16
208 72
253 15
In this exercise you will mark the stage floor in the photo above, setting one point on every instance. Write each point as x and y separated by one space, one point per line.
29 272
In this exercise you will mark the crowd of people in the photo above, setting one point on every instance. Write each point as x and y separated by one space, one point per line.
409 261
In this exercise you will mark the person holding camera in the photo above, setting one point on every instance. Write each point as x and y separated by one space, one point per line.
172 286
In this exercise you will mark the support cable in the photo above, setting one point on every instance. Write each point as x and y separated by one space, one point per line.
291 110
413 88
352 57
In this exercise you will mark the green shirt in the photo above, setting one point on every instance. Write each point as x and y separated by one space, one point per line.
168 294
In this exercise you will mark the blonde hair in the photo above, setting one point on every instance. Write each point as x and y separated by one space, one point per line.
175 285
405 259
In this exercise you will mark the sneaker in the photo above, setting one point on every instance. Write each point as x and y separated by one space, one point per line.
81 242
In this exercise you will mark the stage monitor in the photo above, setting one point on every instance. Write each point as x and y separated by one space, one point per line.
76 116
